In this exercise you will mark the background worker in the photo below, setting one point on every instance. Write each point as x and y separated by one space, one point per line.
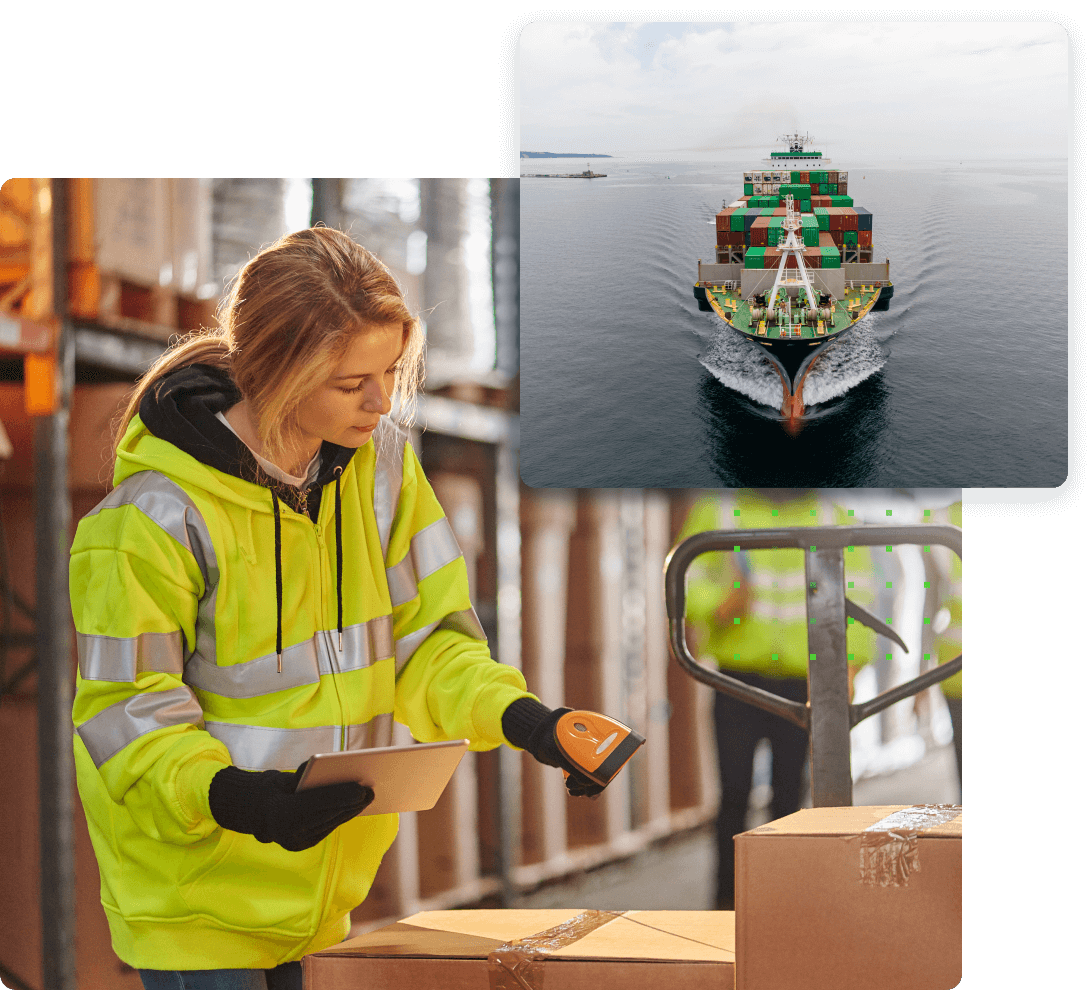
746 615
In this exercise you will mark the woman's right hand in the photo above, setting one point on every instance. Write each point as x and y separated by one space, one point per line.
266 805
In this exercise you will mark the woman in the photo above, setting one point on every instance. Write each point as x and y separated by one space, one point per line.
270 577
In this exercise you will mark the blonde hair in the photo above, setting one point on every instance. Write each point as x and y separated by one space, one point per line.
291 314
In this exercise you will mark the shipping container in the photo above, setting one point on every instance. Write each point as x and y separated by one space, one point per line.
736 221
749 176
865 218
750 216
806 204
865 237
766 212
832 177
831 257
823 220
850 238
749 188
795 176
805 177
842 177
767 176
842 187
753 257
759 232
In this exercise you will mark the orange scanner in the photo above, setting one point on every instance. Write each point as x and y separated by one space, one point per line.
598 746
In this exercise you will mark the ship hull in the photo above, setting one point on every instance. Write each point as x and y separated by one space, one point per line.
791 357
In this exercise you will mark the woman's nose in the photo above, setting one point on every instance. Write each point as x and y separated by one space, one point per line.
375 398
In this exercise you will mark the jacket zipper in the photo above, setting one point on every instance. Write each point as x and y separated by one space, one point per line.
323 562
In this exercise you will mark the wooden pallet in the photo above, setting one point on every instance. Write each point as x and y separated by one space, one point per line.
148 310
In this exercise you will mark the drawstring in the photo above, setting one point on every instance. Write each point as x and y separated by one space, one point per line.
339 566
279 587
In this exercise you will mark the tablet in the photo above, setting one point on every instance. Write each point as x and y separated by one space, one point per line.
405 779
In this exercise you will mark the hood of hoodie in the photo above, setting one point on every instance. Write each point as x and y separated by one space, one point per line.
178 413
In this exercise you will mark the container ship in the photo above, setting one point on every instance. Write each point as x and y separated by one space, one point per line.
794 269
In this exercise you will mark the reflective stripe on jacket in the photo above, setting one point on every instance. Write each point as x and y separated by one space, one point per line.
174 595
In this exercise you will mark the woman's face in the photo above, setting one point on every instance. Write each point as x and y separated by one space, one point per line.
346 409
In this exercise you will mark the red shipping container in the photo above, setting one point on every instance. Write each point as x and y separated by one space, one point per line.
827 239
759 232
804 177
842 187
851 218
780 212
813 260
865 237
832 177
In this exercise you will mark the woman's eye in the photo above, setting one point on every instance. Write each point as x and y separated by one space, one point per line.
352 390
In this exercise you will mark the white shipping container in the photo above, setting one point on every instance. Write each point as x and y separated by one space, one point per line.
749 176
842 177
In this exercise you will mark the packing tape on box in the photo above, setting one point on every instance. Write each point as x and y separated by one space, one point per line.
889 849
519 965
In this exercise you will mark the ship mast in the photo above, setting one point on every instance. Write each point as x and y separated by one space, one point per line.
792 244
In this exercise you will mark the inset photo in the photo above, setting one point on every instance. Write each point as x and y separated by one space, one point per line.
794 254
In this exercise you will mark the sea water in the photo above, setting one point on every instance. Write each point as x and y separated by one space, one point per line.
960 383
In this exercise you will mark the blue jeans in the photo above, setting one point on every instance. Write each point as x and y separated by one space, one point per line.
287 977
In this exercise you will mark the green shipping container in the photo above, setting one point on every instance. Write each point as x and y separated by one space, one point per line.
850 238
774 232
806 204
753 257
823 189
767 212
748 187
830 257
823 219
736 221
842 201
795 176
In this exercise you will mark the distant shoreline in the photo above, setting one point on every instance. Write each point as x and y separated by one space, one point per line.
602 156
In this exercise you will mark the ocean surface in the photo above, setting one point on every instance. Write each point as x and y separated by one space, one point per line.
960 383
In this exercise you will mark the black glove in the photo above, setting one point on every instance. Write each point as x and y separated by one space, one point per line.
266 805
531 726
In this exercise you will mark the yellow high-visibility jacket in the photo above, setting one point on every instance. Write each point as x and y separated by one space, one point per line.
768 634
174 594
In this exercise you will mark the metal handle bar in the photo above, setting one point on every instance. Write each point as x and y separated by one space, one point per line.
828 716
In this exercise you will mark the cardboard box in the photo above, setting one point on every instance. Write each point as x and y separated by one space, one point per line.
534 950
859 897
132 229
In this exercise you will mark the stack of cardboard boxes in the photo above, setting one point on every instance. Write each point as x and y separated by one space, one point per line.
861 897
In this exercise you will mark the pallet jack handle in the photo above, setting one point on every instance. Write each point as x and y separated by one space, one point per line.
828 716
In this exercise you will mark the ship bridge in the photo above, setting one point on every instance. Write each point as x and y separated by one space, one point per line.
795 156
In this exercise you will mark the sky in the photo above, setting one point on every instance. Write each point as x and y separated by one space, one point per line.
926 90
